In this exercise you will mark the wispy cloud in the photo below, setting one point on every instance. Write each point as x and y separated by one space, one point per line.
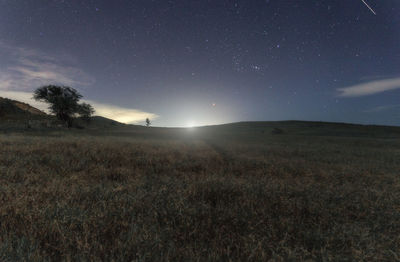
26 69
120 114
384 108
370 88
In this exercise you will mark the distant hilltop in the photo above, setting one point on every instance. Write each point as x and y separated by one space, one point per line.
15 109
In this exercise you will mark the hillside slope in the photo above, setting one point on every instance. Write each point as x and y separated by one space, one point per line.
15 109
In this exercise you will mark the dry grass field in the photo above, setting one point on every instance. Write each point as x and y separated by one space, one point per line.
241 192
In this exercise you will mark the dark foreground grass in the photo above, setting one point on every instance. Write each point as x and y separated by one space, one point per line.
199 198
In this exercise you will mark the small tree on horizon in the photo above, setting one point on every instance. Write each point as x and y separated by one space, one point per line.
63 102
148 123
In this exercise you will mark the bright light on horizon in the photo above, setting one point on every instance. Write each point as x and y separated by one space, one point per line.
191 124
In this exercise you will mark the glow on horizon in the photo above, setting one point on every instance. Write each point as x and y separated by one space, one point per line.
191 124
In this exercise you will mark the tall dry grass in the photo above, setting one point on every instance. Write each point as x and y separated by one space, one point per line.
198 198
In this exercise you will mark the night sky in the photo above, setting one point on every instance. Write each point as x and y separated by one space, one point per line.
201 62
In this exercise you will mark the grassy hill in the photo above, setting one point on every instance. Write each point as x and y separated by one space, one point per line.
11 109
250 191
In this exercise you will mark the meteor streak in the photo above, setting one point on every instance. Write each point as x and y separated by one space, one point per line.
372 10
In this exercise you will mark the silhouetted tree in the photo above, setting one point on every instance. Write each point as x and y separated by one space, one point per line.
63 102
148 123
85 111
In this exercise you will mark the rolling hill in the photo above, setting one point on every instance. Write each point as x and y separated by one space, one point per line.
12 109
